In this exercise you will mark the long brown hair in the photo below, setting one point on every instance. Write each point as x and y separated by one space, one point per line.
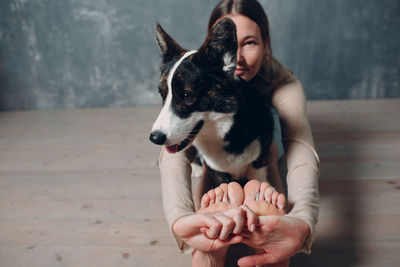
272 74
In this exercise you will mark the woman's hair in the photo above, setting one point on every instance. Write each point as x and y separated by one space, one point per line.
249 8
272 73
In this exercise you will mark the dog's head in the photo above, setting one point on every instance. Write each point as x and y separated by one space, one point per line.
194 84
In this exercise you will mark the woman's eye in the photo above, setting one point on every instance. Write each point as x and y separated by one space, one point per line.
250 43
187 98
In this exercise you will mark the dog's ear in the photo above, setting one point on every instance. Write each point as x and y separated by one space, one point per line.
168 47
220 48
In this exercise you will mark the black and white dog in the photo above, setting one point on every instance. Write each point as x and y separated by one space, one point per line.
208 109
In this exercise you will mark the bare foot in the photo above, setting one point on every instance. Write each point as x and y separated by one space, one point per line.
261 198
228 199
224 197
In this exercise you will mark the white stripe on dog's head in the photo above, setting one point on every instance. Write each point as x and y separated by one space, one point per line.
172 72
168 122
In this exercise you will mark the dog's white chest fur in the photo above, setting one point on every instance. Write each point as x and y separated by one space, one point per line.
210 143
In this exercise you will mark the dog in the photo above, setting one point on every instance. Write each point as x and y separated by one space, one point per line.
209 111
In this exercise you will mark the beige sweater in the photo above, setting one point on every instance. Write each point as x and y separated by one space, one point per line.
302 160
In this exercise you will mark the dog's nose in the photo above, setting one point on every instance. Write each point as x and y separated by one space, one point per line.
158 137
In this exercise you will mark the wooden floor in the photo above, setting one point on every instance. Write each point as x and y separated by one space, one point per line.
82 188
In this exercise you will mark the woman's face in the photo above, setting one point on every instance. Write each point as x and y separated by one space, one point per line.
251 47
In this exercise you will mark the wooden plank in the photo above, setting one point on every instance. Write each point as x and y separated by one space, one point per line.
91 256
82 187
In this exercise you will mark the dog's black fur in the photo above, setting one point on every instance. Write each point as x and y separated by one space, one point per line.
205 82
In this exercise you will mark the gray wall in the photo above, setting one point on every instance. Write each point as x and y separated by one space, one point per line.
100 53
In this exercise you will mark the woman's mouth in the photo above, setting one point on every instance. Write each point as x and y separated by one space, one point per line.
240 71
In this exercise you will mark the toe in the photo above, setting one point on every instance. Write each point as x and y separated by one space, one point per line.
274 198
264 186
251 190
211 195
205 201
235 194
281 201
218 194
268 194
224 188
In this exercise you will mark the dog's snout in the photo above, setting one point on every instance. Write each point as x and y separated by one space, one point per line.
158 137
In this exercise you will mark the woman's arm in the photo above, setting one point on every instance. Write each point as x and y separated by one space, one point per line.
283 236
176 191
301 157
206 231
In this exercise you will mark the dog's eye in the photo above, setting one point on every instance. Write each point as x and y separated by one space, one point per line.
187 98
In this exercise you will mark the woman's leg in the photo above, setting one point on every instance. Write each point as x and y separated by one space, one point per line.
199 258
274 177
203 186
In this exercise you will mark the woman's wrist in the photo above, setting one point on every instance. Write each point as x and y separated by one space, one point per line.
304 235
305 229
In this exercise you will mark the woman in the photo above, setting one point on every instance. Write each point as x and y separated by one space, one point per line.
284 92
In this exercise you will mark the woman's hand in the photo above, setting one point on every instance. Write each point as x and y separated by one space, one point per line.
202 231
211 231
280 237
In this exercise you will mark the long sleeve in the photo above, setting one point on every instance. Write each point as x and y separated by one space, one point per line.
301 157
302 160
176 191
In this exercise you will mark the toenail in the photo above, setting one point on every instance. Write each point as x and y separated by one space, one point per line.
258 196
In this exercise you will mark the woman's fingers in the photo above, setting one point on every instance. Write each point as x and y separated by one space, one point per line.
222 224
252 219
227 225
235 239
238 215
239 218
216 225
257 259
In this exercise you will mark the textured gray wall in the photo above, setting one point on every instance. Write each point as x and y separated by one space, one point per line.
99 53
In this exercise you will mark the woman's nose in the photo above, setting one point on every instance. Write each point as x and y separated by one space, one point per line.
239 56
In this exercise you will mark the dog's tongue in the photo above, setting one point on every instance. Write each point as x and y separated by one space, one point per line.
172 149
